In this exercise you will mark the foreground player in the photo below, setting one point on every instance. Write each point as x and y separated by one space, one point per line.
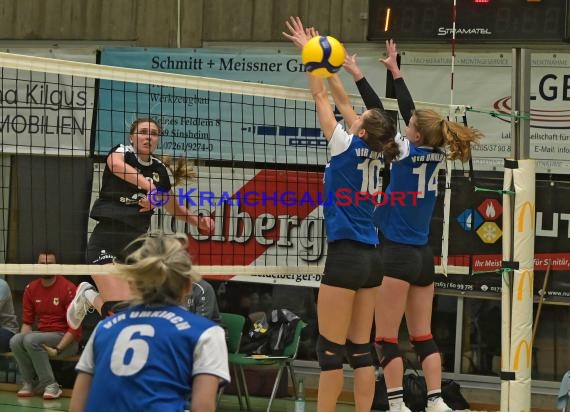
348 290
150 356
123 212
408 268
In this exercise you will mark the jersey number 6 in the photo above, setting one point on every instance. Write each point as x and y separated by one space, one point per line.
138 347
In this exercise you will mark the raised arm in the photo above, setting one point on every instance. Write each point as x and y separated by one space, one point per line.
324 109
405 101
299 36
369 96
341 100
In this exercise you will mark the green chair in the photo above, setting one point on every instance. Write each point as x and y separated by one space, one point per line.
241 360
233 324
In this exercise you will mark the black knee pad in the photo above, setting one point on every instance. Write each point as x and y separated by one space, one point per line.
358 354
329 354
111 307
388 350
424 346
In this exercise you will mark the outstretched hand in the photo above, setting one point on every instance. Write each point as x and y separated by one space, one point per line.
351 66
391 61
297 33
206 225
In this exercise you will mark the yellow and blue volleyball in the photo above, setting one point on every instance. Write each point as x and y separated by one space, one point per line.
323 56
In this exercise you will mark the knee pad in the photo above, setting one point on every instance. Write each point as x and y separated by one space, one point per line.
424 346
110 307
329 354
358 354
388 350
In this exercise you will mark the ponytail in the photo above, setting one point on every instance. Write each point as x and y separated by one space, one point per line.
438 132
181 168
458 138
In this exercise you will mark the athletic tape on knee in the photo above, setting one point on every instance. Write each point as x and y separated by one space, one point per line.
329 354
358 354
424 346
388 350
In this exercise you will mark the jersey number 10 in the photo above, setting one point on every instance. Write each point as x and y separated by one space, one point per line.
370 175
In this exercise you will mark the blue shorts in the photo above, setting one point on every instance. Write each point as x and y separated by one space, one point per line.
352 265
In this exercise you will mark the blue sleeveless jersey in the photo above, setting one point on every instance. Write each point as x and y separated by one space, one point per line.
405 217
142 359
353 168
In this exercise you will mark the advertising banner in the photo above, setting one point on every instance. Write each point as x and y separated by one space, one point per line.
47 113
483 82
216 126
476 233
267 217
194 122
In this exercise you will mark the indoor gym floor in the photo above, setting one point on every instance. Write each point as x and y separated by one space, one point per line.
9 402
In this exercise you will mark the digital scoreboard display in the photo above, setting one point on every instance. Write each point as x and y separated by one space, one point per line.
476 20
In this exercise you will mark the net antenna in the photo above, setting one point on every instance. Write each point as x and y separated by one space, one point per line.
448 163
257 117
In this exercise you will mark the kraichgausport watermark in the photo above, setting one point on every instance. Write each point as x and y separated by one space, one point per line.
341 197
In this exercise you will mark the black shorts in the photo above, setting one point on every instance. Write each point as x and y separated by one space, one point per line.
352 265
412 264
109 241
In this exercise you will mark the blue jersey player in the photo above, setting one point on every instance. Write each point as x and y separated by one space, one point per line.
348 290
404 221
151 356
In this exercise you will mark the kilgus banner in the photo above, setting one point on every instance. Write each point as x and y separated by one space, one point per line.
265 217
46 113
476 233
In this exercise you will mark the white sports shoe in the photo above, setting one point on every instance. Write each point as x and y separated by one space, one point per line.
438 406
26 390
79 306
52 391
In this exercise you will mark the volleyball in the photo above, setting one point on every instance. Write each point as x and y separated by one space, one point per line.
323 56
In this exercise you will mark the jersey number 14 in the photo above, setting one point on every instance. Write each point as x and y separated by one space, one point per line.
422 179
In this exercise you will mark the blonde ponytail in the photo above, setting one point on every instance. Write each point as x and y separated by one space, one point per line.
438 132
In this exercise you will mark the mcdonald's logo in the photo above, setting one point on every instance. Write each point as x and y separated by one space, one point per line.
518 352
526 274
531 212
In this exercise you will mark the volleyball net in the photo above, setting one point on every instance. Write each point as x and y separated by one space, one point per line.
257 149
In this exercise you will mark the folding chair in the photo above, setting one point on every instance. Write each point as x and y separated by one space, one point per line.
233 324
241 360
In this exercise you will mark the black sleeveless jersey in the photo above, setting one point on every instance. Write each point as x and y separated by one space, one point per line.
118 199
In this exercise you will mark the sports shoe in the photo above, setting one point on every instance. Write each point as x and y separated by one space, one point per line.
438 405
79 306
26 390
52 391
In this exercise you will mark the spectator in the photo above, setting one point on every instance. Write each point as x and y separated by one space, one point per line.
203 301
8 321
44 303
